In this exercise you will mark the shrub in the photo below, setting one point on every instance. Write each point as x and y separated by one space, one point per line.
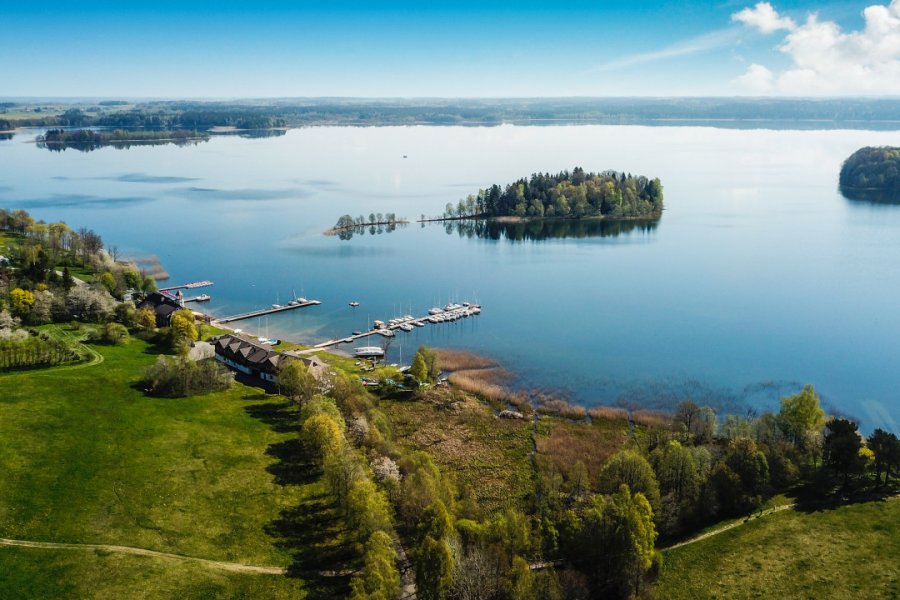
178 377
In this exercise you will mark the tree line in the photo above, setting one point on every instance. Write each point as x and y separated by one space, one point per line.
567 194
91 139
347 226
727 112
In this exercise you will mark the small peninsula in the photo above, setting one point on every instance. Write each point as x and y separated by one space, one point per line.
567 195
872 174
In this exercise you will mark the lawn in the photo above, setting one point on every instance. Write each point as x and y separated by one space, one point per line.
848 552
86 457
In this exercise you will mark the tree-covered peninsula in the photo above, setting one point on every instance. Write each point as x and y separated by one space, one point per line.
872 174
574 194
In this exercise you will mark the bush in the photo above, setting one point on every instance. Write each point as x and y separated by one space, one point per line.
178 377
115 334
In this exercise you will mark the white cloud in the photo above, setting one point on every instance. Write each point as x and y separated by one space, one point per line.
757 80
825 60
764 17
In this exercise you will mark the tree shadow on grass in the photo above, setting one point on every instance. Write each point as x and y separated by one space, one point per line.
156 346
314 535
293 466
313 532
828 491
280 416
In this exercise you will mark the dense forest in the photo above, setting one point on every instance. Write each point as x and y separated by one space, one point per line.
875 169
261 114
5 125
91 139
566 195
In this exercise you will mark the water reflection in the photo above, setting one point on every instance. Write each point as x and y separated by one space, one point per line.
91 145
536 230
871 196
348 232
254 133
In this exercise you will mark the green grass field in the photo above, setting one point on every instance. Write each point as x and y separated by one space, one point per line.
849 552
86 457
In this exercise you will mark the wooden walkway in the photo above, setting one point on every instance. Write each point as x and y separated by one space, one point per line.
377 331
187 286
266 311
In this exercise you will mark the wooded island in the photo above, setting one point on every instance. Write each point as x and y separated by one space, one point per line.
873 174
574 194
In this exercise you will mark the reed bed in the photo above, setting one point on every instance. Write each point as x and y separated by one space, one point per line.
460 360
551 405
609 413
477 382
652 418
150 266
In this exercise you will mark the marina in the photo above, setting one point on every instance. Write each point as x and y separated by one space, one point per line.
406 323
276 308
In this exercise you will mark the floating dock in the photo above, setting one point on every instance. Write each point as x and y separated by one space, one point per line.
187 286
267 311
393 328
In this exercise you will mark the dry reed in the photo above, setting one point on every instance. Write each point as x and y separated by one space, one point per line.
609 413
652 418
460 360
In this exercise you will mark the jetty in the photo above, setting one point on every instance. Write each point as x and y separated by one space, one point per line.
435 316
267 311
187 286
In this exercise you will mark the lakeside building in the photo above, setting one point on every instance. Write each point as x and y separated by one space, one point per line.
258 360
163 305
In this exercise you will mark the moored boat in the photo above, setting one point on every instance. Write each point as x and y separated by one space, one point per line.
368 352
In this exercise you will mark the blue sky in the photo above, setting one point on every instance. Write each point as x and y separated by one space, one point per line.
449 49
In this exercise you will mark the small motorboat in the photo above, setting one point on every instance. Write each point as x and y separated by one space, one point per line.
354 304
368 352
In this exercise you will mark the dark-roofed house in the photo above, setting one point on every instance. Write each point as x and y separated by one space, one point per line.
256 360
163 305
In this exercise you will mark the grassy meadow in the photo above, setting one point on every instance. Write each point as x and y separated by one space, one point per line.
846 552
86 457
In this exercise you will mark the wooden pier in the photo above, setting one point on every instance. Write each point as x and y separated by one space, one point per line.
187 286
377 331
267 311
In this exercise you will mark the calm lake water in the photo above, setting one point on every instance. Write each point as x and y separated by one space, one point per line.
760 276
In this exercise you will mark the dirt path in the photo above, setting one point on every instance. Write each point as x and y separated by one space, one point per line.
709 534
215 564
760 515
